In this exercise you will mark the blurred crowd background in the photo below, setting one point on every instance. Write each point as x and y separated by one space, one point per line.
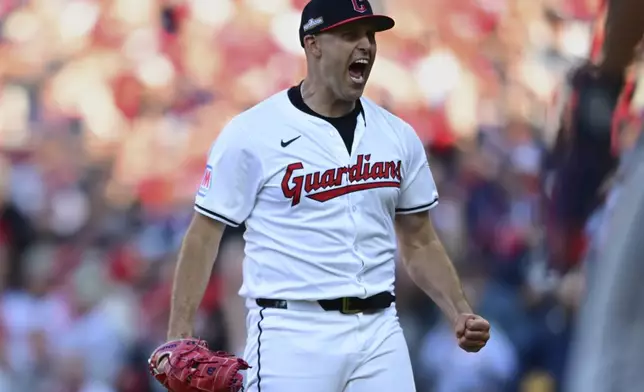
107 111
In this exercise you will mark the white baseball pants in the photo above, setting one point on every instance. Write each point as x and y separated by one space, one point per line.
307 349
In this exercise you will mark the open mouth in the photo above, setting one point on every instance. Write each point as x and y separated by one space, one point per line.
358 70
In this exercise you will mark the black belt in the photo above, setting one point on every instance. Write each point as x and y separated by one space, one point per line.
346 305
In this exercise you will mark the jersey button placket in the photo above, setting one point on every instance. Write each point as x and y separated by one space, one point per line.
339 149
356 248
354 215
355 232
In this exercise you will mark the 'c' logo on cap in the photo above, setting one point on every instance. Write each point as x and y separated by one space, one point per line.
359 5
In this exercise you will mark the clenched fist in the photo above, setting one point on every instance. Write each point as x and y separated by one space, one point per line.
472 332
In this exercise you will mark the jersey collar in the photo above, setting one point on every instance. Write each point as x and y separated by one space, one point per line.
295 96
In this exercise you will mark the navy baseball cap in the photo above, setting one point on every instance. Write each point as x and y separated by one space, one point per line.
322 15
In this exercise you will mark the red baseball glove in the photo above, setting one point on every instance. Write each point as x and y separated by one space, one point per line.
187 365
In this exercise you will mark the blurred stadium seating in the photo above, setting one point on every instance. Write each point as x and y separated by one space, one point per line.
107 111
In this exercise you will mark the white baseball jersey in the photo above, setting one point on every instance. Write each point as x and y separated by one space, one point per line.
319 221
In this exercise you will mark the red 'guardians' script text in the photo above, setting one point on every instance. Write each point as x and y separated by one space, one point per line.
329 183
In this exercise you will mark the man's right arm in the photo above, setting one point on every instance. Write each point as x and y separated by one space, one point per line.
226 196
196 258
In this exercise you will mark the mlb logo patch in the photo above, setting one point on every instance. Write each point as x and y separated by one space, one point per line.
206 180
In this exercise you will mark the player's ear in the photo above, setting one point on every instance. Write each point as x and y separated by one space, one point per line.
312 45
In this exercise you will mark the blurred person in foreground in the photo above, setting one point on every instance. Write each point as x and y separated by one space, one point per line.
607 355
319 266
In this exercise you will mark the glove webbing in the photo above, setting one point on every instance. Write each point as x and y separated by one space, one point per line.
192 361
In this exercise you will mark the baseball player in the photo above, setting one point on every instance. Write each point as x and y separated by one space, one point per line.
326 182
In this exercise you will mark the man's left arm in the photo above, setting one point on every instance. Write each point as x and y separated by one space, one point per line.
428 265
423 253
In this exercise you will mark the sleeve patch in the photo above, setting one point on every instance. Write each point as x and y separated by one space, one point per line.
206 181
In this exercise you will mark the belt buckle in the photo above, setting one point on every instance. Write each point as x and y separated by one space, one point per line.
346 309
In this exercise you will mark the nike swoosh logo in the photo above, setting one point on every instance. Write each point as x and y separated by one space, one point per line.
286 144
